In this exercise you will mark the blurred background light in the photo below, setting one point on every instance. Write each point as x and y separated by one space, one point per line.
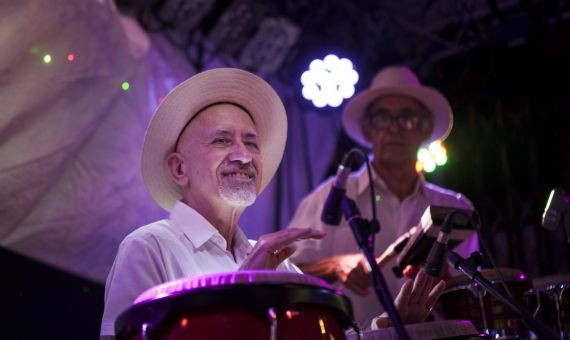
329 81
431 157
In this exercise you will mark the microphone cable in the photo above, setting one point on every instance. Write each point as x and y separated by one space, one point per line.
374 219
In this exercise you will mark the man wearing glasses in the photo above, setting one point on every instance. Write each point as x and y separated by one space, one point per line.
393 118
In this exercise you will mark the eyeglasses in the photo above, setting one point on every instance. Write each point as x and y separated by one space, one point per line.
382 119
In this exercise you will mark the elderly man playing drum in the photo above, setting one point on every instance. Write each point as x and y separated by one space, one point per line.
212 146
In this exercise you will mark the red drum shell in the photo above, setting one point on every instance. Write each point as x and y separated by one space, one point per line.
248 305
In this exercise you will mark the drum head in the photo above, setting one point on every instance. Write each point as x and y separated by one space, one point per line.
207 282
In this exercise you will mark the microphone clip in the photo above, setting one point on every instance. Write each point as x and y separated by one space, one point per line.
364 227
475 260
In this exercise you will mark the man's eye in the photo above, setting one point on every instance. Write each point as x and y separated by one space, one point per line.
409 113
222 141
252 144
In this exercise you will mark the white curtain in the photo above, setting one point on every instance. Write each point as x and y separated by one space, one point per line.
70 136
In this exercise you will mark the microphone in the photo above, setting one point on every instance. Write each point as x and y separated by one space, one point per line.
436 257
558 204
332 213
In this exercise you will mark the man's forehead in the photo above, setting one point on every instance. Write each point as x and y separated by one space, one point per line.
401 99
220 131
214 112
223 119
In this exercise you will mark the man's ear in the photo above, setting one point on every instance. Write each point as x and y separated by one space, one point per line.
177 168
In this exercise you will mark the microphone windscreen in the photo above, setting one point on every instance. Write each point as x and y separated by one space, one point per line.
332 214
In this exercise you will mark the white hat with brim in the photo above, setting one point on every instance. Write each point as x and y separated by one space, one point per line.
395 80
222 85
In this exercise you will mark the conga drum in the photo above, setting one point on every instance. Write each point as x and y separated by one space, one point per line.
238 305
464 299
443 329
549 301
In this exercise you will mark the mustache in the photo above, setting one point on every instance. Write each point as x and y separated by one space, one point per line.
236 166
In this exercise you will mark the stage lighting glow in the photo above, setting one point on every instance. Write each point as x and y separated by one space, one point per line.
70 57
440 159
329 81
431 157
429 166
419 166
125 85
438 152
423 154
47 58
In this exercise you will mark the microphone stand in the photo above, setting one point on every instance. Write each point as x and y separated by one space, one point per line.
362 230
467 268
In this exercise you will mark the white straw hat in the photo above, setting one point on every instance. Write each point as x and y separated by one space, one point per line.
396 80
188 98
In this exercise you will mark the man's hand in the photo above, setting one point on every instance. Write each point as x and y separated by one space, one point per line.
412 270
272 249
415 300
353 271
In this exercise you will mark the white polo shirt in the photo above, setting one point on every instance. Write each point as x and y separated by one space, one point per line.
186 244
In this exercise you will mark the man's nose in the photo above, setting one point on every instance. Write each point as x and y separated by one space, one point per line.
394 125
240 153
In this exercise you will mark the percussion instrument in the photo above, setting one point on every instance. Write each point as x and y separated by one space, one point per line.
549 301
464 299
238 305
443 329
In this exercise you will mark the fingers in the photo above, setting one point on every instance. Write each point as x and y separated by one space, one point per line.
435 293
411 271
403 298
272 249
284 253
422 285
344 264
283 238
359 279
304 233
422 297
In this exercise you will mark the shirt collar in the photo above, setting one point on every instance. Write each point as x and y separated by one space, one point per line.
198 230
193 225
361 178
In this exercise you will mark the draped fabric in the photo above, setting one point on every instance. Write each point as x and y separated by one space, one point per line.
71 136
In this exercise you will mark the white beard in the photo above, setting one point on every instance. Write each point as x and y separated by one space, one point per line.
238 194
